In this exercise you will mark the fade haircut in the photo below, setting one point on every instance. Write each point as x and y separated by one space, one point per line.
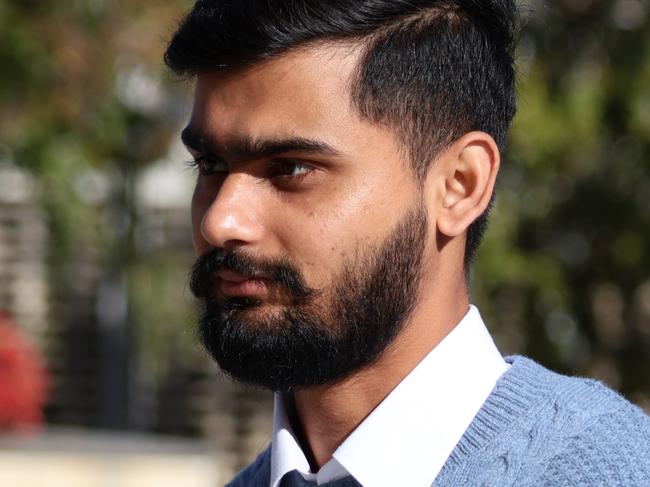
432 70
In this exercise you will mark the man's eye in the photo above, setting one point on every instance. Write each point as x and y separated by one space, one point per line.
290 169
207 167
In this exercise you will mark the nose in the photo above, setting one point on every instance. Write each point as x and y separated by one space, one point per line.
229 218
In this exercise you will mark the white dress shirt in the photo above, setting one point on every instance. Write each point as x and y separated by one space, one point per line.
407 438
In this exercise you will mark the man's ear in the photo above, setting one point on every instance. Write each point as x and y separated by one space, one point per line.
471 168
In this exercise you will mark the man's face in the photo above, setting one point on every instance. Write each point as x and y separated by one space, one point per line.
309 224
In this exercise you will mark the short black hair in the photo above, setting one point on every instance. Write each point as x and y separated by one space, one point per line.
432 70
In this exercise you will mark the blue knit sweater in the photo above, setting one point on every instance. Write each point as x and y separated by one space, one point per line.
538 428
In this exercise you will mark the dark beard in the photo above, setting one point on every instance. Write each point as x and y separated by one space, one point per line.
307 342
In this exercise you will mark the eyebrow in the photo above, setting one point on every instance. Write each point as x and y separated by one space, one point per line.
245 149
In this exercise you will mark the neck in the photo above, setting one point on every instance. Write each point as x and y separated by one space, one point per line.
324 416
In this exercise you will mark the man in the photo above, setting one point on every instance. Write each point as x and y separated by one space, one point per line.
347 154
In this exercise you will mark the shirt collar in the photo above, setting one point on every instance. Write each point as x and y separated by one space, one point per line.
407 438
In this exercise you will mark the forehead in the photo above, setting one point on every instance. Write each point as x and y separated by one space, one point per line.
304 92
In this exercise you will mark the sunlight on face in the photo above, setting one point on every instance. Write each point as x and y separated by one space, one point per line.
287 168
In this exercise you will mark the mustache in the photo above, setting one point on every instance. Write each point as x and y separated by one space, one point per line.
204 273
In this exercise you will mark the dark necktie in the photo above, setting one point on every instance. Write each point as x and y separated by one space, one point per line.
294 479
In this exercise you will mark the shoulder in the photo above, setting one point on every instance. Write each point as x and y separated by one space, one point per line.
559 397
605 439
542 428
257 474
584 433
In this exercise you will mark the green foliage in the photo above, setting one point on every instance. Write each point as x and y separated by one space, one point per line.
572 217
83 92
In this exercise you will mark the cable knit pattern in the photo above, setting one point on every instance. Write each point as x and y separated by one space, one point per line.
539 428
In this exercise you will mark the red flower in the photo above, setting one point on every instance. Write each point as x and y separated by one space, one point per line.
23 378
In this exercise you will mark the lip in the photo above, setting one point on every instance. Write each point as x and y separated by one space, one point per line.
230 276
235 285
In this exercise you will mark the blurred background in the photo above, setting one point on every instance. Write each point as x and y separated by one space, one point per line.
101 379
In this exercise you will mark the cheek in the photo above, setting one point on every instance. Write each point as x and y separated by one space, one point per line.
344 235
321 243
